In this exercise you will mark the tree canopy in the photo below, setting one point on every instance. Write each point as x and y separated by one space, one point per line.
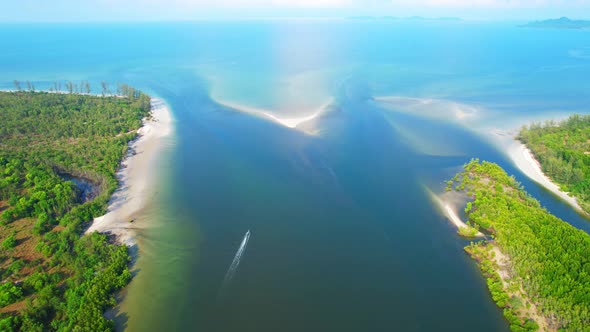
549 259
563 150
54 279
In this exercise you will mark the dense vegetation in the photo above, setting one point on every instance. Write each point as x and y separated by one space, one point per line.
54 279
548 267
563 149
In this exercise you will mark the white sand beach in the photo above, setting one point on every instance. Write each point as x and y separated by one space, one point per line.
524 159
136 177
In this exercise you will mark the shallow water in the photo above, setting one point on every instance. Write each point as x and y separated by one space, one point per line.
343 236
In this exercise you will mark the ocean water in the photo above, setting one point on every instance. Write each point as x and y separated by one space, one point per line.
260 227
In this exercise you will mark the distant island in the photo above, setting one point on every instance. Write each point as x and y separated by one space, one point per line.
560 23
536 265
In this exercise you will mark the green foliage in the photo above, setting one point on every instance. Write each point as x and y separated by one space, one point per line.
549 257
89 294
467 231
563 150
10 241
9 293
46 139
9 323
14 268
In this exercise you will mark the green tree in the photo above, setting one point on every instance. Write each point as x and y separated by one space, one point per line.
10 241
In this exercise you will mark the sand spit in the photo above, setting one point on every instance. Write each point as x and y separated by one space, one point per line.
136 177
289 122
448 204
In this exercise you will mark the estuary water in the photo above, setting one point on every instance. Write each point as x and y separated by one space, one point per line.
328 226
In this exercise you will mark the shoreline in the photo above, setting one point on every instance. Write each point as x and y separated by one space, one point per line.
447 204
135 177
503 138
524 159
490 254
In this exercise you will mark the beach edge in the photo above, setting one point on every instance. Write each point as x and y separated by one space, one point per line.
136 177
523 158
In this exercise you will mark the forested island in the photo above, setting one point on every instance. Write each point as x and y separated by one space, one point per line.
537 266
560 23
563 150
59 153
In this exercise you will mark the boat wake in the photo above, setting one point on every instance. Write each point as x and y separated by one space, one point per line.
229 275
236 262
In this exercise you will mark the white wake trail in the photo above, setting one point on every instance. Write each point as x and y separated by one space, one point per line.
236 262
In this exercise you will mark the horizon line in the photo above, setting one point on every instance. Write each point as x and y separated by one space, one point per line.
357 18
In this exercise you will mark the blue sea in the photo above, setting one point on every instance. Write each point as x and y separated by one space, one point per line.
256 226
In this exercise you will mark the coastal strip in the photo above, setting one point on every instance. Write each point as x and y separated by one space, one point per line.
532 261
136 176
504 139
63 153
523 158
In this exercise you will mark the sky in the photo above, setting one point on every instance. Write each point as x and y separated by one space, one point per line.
167 10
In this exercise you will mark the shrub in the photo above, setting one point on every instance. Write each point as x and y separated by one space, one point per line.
10 241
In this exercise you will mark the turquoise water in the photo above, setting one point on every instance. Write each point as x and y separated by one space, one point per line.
343 236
